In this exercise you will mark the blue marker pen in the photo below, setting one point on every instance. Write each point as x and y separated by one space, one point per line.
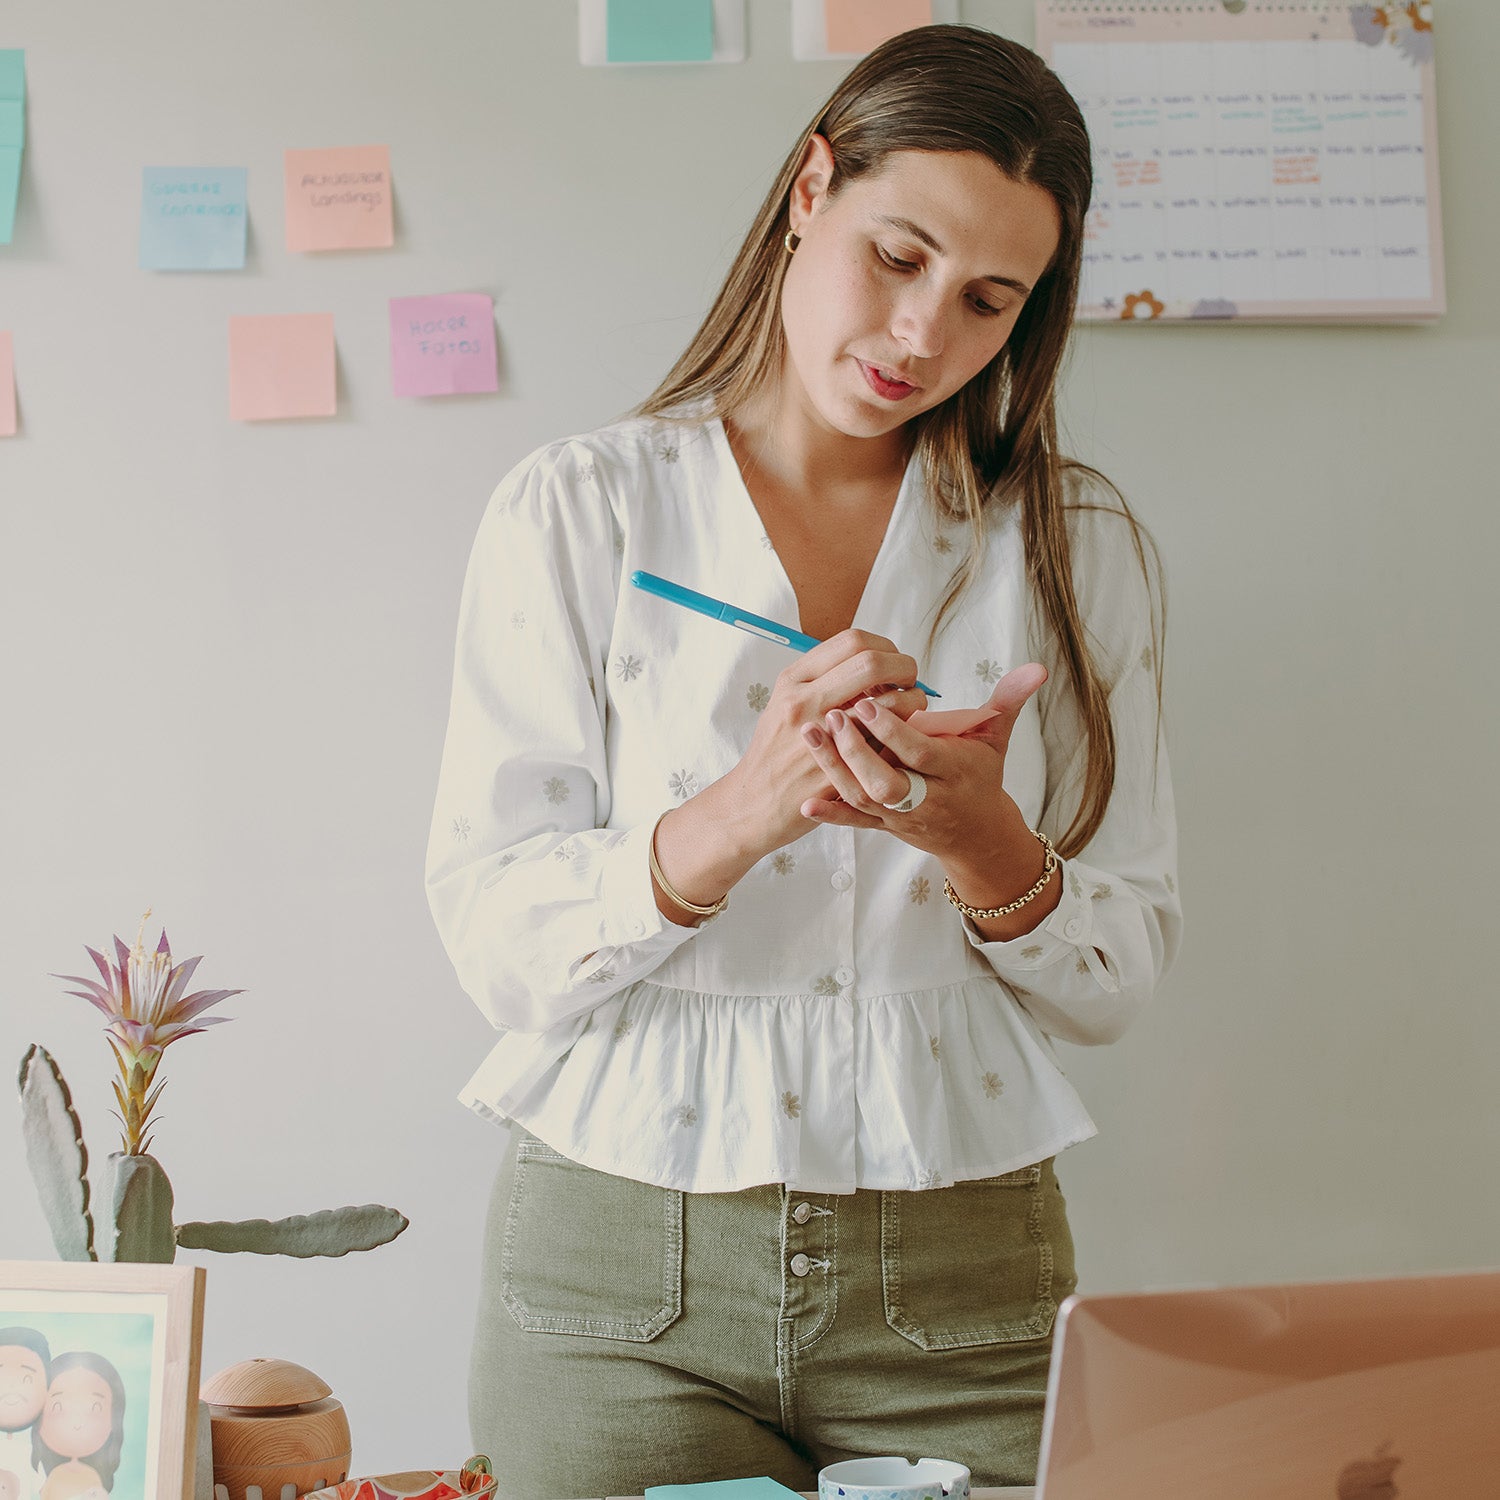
730 614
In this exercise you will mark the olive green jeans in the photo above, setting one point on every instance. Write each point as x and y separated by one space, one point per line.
631 1335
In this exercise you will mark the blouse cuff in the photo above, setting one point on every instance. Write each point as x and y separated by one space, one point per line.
1068 927
631 913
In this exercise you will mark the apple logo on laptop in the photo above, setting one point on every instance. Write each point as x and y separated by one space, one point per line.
1369 1478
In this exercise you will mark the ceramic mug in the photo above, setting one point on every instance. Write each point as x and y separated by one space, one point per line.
894 1479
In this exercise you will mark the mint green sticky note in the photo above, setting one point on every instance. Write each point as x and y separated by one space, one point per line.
659 31
12 122
12 73
10 189
762 1488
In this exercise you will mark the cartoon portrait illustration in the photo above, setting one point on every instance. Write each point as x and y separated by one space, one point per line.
73 1482
82 1426
24 1361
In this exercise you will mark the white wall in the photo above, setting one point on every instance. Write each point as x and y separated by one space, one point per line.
228 651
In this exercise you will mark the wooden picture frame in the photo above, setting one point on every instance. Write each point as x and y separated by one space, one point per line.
118 1350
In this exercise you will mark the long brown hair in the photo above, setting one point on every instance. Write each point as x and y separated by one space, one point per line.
994 441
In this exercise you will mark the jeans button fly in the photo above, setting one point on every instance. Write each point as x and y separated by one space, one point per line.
800 1265
802 1213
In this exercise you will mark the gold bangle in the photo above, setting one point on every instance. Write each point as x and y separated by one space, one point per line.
981 914
682 901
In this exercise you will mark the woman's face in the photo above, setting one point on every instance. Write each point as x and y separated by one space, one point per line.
80 1408
918 271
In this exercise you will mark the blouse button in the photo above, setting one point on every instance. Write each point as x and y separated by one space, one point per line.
802 1213
1072 928
801 1265
841 880
844 974
638 928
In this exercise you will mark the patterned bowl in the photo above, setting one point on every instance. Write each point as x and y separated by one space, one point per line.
894 1479
475 1481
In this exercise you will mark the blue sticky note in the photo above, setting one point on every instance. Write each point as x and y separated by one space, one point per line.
12 122
12 73
10 189
723 1489
193 219
659 31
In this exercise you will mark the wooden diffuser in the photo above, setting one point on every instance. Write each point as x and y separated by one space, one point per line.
277 1431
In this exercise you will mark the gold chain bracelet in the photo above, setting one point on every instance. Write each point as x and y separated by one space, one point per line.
982 914
682 901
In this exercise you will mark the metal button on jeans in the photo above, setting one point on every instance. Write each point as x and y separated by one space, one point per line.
802 1213
801 1265
841 880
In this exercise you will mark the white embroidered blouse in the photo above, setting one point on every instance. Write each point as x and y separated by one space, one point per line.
840 1025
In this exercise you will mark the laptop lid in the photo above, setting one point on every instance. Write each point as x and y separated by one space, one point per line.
1340 1390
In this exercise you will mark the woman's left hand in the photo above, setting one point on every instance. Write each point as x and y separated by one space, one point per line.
965 812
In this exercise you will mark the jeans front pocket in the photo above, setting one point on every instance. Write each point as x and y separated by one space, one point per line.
981 1262
588 1252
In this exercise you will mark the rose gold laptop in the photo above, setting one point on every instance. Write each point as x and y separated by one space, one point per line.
1348 1390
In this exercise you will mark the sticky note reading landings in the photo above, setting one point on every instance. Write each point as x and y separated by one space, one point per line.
339 199
282 366
442 346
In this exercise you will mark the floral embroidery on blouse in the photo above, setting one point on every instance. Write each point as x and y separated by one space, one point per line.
687 1115
1032 950
918 889
1082 965
462 828
1101 892
506 859
757 695
603 976
927 1178
619 545
943 543
1170 883
989 672
792 1104
826 984
624 1026
991 1084
588 473
555 789
1146 657
518 620
667 453
783 863
566 851
767 543
936 1047
627 668
683 784
1075 884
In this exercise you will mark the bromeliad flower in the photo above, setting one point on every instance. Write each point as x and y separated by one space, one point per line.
143 998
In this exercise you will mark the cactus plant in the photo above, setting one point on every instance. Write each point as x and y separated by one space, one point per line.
143 998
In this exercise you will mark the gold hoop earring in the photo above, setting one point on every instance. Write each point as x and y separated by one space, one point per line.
791 236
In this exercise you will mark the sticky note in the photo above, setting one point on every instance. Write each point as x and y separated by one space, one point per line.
443 346
12 73
660 31
12 122
193 219
7 388
282 365
862 25
339 199
10 190
761 1488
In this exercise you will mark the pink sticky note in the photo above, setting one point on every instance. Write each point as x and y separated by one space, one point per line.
441 346
339 198
862 25
950 720
7 388
282 366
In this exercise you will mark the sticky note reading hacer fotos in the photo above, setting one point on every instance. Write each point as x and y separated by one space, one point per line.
282 365
443 346
339 199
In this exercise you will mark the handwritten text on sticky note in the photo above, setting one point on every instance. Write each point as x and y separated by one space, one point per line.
339 199
193 219
442 346
282 365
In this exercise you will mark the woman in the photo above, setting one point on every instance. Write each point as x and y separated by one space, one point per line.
79 1437
698 882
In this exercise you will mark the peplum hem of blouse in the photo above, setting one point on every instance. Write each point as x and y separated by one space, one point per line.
943 1085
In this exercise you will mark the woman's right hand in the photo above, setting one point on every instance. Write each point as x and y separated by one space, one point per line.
777 773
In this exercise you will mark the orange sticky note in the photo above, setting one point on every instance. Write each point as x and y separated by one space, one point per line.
7 388
282 366
862 25
339 199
